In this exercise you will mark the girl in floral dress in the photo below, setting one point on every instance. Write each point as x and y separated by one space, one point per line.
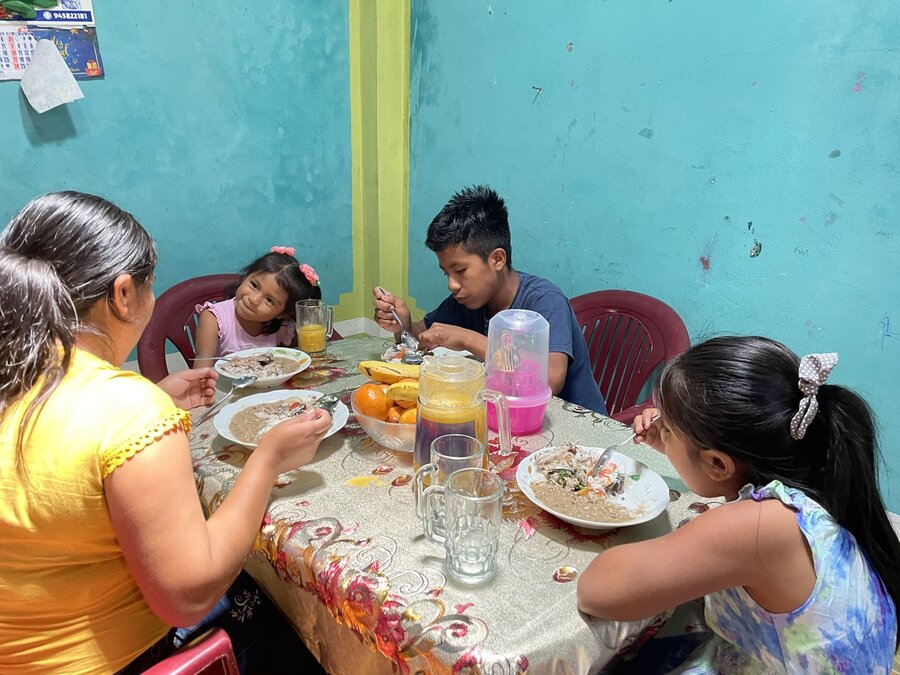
799 568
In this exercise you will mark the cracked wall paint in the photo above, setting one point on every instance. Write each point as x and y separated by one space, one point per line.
793 149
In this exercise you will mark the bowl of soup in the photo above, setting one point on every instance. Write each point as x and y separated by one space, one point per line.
246 421
271 365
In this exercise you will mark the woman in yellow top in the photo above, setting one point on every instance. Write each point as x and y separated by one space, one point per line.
103 542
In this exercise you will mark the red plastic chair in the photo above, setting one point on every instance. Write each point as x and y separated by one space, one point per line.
209 654
628 335
175 320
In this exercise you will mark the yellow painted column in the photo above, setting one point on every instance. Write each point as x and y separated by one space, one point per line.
379 141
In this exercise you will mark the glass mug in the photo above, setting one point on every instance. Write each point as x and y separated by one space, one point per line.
473 503
315 324
449 453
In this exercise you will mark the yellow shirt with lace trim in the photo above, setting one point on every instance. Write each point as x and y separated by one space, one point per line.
67 600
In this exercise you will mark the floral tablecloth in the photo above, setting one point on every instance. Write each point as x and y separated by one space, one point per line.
343 554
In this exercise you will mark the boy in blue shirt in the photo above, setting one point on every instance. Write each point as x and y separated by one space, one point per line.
470 237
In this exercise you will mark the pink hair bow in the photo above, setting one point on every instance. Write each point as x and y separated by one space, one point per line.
285 250
310 274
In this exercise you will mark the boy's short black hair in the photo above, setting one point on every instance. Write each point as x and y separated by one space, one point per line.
476 218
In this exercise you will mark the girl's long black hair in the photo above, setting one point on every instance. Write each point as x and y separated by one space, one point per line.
738 395
286 269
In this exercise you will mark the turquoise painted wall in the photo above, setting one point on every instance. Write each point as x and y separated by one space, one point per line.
224 129
737 160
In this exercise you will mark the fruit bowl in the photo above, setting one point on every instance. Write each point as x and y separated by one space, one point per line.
393 435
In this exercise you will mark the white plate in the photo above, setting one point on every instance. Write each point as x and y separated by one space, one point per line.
649 492
222 421
443 351
437 351
303 360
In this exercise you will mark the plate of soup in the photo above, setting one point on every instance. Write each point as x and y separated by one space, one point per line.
245 421
625 492
271 365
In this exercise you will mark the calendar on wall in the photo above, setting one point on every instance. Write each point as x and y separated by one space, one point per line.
16 48
69 25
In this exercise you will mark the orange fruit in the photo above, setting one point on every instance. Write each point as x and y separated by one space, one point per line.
408 416
394 413
384 387
371 401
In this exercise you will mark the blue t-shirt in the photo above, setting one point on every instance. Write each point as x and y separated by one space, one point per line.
545 298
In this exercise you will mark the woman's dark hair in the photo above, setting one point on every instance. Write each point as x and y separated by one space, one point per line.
59 256
286 269
476 218
738 395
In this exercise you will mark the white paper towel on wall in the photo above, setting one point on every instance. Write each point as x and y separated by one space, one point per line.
48 82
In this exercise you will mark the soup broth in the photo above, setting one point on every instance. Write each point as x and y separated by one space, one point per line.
249 425
265 364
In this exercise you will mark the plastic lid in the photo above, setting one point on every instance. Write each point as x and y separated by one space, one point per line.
520 321
517 353
450 381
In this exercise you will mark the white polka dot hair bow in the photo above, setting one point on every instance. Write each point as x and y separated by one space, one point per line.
814 370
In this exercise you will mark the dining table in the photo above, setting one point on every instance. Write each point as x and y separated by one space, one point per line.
343 555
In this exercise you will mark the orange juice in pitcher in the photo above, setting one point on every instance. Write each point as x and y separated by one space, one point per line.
452 400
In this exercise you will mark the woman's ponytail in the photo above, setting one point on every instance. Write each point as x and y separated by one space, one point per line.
37 332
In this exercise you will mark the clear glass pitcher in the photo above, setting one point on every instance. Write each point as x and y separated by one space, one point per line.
315 322
453 400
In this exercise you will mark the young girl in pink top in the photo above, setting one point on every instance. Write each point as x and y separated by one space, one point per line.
261 311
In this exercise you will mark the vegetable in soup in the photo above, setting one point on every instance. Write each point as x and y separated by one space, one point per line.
565 485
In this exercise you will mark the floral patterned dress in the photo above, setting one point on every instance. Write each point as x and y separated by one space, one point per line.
848 624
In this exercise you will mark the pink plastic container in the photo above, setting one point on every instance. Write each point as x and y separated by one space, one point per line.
526 413
516 361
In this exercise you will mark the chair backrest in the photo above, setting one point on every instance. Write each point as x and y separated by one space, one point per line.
209 654
628 335
174 319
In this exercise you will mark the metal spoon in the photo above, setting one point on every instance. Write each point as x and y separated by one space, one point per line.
606 455
408 340
327 403
236 384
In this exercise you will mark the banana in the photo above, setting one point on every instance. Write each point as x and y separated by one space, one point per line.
405 390
388 372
